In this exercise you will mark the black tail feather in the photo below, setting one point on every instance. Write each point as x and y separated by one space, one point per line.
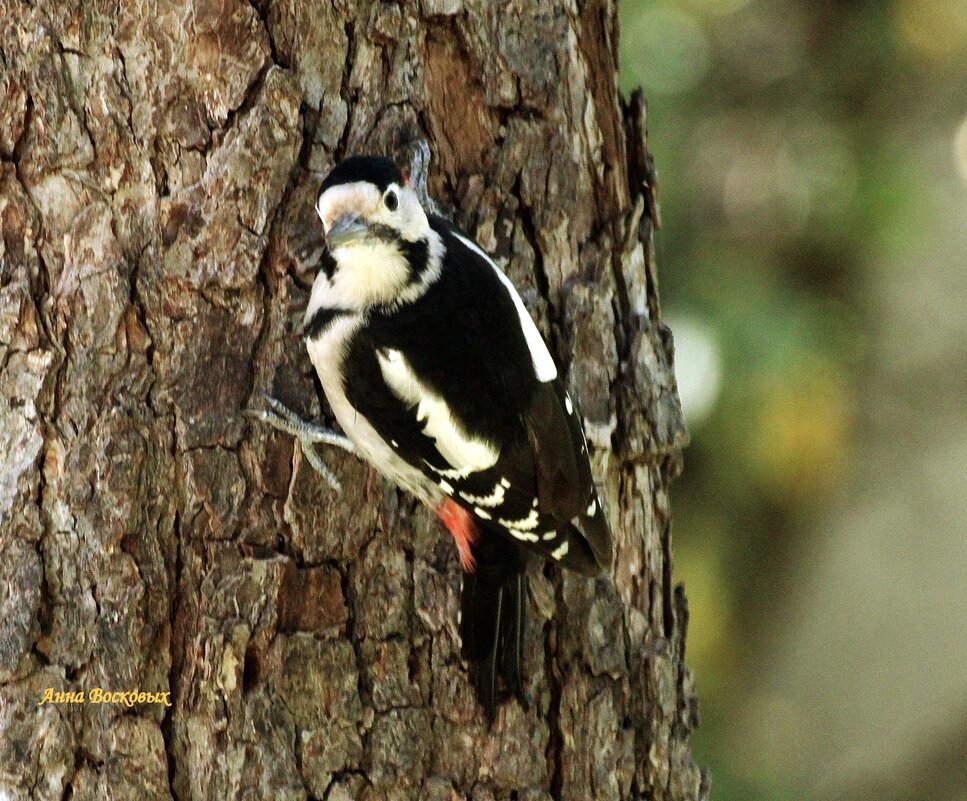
512 632
492 616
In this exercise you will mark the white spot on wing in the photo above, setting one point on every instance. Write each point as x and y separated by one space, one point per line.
505 483
528 523
446 486
567 404
561 551
494 499
592 507
524 536
467 453
549 536
482 513
544 367
327 354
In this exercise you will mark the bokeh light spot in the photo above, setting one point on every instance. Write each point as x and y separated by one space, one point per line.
667 49
720 7
800 446
960 149
816 170
934 28
698 366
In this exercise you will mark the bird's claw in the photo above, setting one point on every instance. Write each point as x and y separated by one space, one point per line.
281 417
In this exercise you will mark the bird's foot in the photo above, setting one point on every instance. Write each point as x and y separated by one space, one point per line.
419 170
280 416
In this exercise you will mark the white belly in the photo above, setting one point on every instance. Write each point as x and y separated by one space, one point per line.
327 353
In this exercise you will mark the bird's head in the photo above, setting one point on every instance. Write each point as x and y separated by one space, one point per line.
377 233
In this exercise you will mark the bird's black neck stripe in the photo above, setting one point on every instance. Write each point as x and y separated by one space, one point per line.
320 321
328 264
417 255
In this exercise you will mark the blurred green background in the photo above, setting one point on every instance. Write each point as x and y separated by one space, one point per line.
812 161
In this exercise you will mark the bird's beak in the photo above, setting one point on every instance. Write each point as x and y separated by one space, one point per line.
345 230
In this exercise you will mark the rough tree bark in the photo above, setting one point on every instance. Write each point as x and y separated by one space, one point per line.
159 164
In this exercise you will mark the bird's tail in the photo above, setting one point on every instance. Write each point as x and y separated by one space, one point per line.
492 615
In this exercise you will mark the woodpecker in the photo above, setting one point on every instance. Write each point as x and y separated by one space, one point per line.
439 378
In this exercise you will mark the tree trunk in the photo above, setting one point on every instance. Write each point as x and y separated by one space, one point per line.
159 166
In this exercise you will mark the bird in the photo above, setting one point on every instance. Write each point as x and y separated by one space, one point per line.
439 377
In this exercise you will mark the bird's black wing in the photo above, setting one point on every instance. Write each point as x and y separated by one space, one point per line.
463 376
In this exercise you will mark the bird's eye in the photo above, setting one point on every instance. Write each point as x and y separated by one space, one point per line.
391 200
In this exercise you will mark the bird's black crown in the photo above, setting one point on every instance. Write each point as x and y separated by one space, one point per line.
376 170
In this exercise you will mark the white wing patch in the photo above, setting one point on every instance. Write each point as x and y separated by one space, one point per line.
467 453
544 367
328 354
496 498
561 551
528 523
